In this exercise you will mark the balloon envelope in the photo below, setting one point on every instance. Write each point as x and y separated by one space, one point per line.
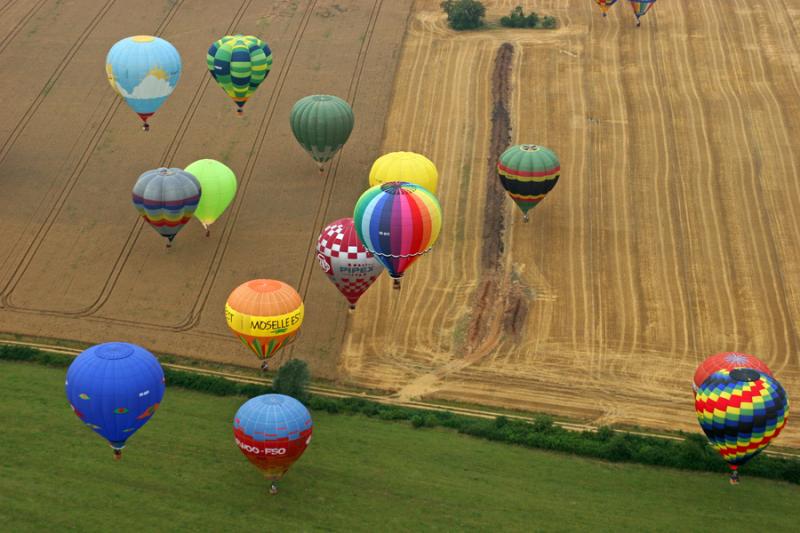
272 431
528 172
398 222
342 256
605 5
741 411
640 7
218 184
166 198
115 388
321 123
144 70
728 361
265 314
239 63
404 166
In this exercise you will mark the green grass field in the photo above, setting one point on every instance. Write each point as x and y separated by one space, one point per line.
182 471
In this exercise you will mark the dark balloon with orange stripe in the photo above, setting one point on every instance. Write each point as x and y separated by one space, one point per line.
528 173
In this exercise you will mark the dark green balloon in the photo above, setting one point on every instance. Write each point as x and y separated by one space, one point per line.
321 124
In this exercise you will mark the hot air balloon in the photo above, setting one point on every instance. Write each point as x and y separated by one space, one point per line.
342 256
640 7
115 388
741 411
218 183
166 198
397 222
144 70
605 5
239 63
265 314
321 124
528 172
728 361
272 431
404 166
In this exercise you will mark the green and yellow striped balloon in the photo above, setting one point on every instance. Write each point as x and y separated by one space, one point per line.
239 63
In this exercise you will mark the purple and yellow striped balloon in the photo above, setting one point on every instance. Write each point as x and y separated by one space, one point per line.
398 222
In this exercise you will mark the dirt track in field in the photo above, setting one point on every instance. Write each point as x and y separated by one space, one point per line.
672 235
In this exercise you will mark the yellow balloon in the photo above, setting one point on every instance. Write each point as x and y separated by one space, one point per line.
404 166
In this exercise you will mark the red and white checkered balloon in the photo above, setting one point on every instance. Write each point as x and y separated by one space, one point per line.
344 259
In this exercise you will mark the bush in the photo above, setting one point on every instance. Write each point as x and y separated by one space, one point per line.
518 19
464 14
292 380
549 23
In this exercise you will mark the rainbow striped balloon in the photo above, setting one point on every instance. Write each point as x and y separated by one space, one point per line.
166 198
398 222
640 7
741 411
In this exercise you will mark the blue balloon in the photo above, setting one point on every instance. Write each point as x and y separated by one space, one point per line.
115 388
272 431
144 70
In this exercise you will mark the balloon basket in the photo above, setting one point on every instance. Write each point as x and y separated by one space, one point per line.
396 284
273 489
351 308
145 127
117 455
525 218
321 169
208 232
734 477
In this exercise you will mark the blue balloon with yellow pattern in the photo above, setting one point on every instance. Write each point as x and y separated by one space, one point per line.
115 388
144 70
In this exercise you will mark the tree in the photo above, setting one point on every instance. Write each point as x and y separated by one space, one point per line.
292 379
464 14
549 22
518 19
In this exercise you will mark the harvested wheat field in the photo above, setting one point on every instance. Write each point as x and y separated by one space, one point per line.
76 261
672 234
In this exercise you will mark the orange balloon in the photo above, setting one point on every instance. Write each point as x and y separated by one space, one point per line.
265 314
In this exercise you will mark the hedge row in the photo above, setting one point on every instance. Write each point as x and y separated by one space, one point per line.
693 453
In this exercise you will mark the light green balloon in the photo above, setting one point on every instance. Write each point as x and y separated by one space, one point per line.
218 183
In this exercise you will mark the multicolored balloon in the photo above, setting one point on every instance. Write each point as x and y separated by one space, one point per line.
265 314
528 172
115 388
166 198
404 166
728 361
640 7
321 124
239 63
741 411
605 5
144 70
342 256
398 222
218 183
272 431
